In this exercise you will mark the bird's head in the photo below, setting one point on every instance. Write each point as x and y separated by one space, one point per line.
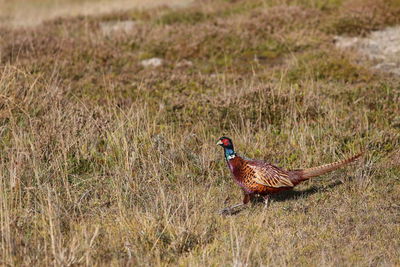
225 142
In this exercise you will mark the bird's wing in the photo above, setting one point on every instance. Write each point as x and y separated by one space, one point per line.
269 175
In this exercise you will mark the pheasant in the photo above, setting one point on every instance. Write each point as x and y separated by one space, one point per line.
258 177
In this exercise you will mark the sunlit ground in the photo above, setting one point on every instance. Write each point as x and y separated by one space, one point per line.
32 12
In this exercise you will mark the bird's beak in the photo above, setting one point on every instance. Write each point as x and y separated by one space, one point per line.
219 143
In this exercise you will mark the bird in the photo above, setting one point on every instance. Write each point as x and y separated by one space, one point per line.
257 177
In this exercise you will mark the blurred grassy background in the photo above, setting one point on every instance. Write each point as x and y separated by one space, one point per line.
105 161
19 13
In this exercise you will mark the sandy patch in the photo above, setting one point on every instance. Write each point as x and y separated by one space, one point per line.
381 47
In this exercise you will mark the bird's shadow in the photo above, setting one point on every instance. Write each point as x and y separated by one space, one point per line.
294 194
290 194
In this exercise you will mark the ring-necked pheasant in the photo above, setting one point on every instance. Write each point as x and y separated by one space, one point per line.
259 177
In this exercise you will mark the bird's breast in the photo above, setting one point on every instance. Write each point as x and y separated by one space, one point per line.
236 167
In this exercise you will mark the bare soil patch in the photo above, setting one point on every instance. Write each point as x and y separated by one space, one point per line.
381 47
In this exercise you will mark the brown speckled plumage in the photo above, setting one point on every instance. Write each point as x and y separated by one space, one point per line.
259 177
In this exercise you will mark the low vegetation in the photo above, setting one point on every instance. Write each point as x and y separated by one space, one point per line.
104 161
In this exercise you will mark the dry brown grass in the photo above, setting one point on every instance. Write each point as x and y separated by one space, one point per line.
103 161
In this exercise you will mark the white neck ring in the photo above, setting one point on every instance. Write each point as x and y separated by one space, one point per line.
230 157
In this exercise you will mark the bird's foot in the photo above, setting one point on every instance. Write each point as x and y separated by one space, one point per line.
226 211
230 210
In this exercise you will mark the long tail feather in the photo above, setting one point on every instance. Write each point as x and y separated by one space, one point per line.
305 174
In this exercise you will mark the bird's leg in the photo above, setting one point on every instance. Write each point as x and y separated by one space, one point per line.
247 198
266 200
229 210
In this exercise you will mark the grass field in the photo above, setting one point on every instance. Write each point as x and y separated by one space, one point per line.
27 13
106 162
